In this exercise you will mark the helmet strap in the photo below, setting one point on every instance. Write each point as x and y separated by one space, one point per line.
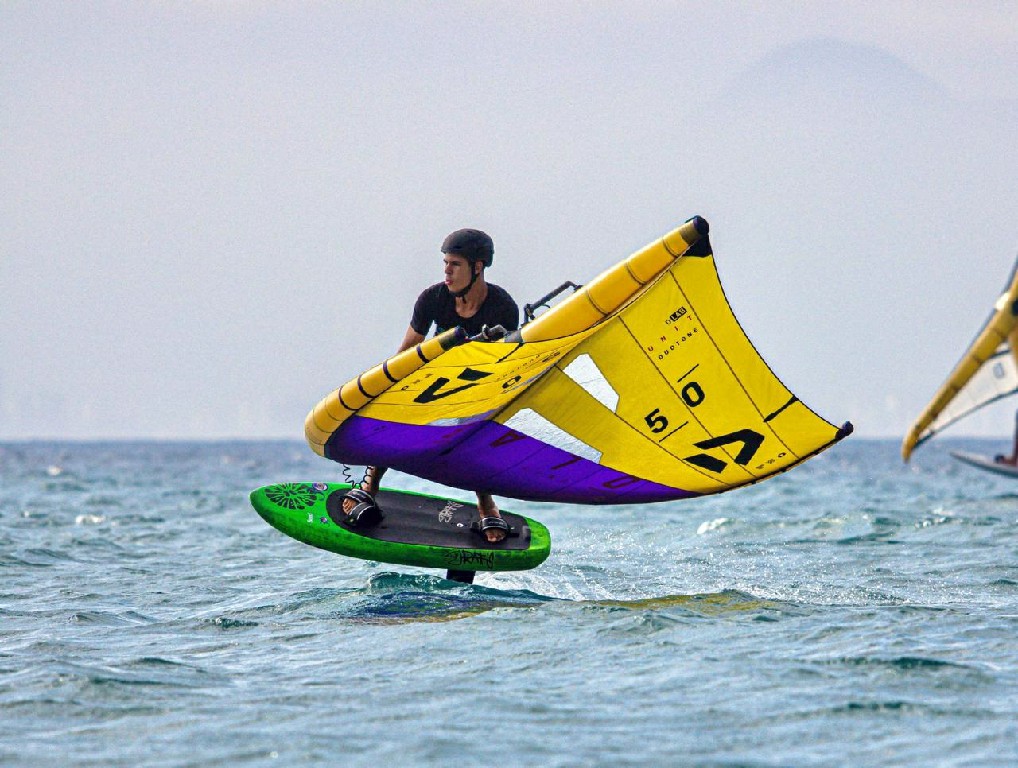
473 279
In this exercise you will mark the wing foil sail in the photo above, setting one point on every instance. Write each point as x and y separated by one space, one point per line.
987 372
639 387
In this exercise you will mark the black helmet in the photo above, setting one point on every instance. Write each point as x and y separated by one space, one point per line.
472 244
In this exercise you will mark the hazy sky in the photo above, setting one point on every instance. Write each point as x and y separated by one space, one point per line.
214 213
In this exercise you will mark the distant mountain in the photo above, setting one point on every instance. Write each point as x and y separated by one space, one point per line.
834 70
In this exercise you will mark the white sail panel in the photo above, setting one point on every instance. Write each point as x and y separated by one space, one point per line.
996 378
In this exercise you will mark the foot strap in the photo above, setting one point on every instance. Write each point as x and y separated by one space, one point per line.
491 522
365 512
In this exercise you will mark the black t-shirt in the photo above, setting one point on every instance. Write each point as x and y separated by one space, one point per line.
436 305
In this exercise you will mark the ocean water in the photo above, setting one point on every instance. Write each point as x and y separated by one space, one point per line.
852 612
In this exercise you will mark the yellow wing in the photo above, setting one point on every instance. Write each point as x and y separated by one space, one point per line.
987 372
641 386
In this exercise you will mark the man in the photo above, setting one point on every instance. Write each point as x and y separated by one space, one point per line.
1013 458
463 299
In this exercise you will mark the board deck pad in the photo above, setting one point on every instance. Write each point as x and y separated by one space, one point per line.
412 519
418 529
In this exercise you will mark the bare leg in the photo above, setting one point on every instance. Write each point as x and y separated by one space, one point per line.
487 508
372 481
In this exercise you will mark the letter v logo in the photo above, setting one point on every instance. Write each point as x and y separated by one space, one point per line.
751 442
435 391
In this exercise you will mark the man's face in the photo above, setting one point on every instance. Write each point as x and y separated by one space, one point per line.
457 272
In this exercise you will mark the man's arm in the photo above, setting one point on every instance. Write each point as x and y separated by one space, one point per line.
411 339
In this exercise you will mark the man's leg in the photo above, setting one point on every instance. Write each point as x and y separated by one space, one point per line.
487 508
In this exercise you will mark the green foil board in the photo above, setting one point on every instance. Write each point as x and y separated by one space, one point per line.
418 529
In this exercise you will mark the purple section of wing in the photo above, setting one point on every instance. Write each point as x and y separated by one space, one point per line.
485 456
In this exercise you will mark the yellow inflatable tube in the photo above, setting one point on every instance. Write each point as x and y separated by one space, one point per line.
342 403
614 287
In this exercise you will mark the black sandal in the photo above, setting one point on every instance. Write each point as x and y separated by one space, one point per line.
365 512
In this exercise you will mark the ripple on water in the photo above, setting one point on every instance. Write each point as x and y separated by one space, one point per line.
853 607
